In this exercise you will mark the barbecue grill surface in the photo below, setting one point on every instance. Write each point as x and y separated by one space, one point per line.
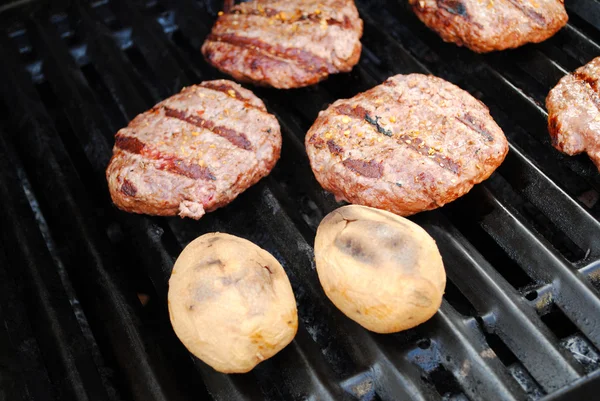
83 286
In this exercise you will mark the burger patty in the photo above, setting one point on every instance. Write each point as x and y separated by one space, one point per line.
285 44
411 144
487 25
193 152
574 112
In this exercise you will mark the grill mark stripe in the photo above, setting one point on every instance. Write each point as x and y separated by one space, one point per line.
224 88
166 163
468 121
591 85
312 17
334 147
303 58
455 7
414 144
236 138
529 13
128 188
370 169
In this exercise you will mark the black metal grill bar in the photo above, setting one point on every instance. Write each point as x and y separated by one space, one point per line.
61 192
512 318
47 306
542 263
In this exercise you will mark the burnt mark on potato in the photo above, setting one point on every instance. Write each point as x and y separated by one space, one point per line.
354 247
419 299
210 262
369 169
128 188
453 7
334 147
470 122
238 139
268 269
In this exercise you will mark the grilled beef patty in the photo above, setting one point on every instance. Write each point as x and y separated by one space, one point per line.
574 112
411 144
487 25
193 152
286 44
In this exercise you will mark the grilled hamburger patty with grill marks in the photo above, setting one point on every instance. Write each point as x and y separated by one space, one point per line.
488 25
286 44
193 152
574 112
411 144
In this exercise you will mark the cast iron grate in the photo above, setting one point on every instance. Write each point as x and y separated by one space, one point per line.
83 286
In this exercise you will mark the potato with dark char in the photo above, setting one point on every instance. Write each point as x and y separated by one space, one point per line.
381 270
231 303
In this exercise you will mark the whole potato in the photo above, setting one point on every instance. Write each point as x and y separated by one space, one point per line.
231 303
382 270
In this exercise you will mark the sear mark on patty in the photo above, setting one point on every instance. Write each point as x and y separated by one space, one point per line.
130 144
303 58
370 169
334 147
476 126
419 146
361 113
166 163
415 144
231 91
591 86
375 122
453 7
236 138
315 17
591 81
528 12
128 188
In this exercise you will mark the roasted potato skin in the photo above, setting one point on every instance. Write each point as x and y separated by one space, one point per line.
381 270
231 303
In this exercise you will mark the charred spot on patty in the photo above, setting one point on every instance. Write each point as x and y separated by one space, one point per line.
128 188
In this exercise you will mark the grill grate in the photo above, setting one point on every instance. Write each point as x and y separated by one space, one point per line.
83 286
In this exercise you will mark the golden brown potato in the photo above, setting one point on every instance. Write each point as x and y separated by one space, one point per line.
382 270
231 303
